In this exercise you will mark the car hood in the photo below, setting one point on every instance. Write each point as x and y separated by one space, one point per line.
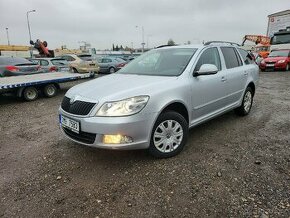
119 86
274 59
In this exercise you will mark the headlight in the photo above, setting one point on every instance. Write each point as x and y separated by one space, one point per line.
281 61
124 107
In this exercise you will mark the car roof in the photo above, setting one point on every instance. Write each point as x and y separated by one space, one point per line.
199 46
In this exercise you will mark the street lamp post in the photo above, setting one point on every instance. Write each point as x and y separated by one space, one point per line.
28 25
143 43
7 35
148 40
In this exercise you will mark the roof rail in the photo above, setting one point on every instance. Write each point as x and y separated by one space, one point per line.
161 46
221 42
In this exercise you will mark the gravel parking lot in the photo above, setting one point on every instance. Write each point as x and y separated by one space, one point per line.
231 166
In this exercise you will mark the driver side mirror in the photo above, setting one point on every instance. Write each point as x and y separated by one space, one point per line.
206 69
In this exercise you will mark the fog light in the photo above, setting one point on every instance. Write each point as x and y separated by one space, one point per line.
116 139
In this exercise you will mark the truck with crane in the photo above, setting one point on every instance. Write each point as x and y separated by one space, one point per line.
262 46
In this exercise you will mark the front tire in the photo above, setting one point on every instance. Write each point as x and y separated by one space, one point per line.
169 135
246 106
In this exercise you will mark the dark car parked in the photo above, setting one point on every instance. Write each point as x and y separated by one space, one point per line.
15 66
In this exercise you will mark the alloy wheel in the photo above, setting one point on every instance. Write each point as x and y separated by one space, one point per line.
247 101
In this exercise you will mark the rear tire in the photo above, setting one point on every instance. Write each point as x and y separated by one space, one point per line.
30 93
169 135
112 70
246 106
49 90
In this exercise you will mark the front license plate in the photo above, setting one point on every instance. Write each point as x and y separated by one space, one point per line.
270 65
70 124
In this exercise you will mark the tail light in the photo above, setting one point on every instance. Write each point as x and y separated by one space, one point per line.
53 68
121 65
12 68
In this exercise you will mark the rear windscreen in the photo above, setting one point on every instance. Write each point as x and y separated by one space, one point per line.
86 57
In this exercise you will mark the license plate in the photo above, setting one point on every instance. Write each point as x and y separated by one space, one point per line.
64 69
270 65
70 124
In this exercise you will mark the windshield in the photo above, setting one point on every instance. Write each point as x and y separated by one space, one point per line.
161 62
280 53
280 39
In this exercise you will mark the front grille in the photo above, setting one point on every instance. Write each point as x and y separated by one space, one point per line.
84 137
271 62
77 108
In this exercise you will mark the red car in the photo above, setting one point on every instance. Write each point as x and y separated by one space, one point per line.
277 60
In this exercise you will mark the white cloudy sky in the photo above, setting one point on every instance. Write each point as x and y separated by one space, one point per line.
104 22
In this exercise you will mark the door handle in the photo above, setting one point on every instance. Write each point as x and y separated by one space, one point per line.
223 79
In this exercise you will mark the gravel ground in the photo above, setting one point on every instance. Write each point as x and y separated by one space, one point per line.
231 166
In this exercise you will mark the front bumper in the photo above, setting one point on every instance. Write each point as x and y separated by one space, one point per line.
92 129
275 66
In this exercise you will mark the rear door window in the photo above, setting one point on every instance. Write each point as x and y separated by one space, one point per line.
231 57
44 63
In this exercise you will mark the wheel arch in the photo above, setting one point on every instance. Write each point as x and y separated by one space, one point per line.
252 86
178 107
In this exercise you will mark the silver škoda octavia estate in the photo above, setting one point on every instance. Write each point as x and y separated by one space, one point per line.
153 101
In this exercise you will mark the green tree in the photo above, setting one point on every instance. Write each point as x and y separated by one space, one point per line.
113 47
170 42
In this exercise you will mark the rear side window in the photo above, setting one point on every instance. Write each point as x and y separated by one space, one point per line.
231 57
247 59
44 63
105 60
209 56
68 58
59 62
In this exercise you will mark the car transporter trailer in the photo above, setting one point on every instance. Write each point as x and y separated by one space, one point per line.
28 86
